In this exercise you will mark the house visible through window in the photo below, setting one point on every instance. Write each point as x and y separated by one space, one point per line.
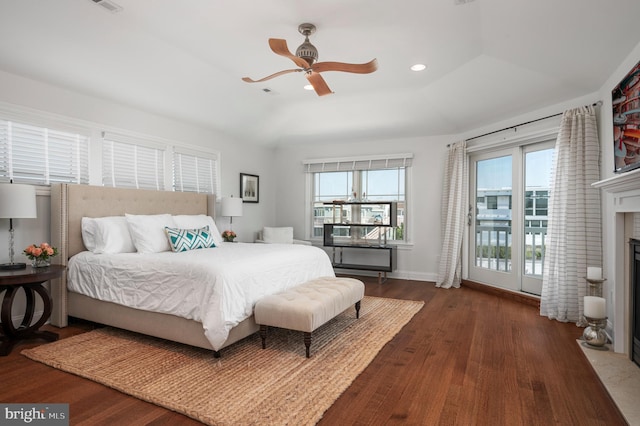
361 179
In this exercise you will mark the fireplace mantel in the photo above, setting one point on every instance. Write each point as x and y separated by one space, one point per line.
620 183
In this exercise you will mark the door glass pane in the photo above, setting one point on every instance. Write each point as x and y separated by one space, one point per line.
538 166
493 213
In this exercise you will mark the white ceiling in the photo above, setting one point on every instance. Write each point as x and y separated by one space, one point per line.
487 60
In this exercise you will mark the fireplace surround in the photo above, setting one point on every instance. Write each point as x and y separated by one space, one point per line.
621 196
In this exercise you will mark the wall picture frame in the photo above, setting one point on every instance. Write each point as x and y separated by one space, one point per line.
626 122
249 188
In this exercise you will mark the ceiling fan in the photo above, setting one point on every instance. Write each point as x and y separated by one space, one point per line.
306 57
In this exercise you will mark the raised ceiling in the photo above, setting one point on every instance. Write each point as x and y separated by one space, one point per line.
487 60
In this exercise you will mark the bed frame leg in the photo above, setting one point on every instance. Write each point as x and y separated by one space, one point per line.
358 309
307 342
216 354
263 336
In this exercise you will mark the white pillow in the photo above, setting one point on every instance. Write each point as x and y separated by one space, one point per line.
281 235
148 233
107 235
197 221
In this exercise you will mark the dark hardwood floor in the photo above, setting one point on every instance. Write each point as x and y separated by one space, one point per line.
467 358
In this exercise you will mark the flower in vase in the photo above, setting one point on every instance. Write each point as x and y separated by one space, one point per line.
40 255
229 235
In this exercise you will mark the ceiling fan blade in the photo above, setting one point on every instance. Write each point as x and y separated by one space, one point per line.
279 47
318 83
269 77
367 68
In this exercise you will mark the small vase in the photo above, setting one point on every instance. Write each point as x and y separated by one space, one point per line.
40 263
229 240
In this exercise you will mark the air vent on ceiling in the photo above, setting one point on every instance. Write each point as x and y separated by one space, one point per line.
108 5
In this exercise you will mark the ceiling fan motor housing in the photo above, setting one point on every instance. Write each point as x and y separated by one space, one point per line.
308 52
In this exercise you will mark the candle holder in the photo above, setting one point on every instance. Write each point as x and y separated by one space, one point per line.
594 334
594 287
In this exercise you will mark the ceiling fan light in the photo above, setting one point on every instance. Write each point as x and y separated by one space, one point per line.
418 67
308 87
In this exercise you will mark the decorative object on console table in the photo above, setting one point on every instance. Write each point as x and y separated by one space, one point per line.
16 201
231 207
249 188
40 255
31 281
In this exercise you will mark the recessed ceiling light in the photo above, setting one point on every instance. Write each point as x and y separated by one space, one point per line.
308 87
418 67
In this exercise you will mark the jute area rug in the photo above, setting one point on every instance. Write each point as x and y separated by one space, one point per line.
247 385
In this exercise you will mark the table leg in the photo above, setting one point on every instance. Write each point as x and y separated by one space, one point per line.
26 330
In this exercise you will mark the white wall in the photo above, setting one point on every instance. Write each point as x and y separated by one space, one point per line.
418 259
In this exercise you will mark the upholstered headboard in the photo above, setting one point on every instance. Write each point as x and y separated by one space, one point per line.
70 203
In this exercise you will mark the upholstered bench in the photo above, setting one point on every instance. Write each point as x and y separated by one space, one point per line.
308 306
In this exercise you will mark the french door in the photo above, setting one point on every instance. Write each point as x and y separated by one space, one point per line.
509 193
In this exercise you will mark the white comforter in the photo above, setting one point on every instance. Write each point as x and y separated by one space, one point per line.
217 286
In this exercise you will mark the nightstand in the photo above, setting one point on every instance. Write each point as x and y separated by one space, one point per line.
31 281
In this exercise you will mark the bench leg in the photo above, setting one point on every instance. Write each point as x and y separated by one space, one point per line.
307 342
358 309
263 336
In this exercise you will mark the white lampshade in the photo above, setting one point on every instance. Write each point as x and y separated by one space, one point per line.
231 206
17 201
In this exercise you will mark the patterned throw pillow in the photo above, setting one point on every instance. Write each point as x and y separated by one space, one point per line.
189 239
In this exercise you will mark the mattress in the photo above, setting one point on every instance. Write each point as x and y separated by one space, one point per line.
217 287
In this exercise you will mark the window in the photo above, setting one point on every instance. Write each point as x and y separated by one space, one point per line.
195 171
132 163
41 156
492 202
40 148
370 178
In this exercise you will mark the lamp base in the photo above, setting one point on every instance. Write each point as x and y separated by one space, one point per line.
12 266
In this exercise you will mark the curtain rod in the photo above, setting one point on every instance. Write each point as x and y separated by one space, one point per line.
596 104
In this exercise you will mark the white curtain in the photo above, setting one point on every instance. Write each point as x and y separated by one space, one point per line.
453 215
574 233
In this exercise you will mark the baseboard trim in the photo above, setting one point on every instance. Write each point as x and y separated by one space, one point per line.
508 294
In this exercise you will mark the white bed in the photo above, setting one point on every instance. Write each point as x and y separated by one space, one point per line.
231 277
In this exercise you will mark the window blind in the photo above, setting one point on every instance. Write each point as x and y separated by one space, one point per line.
132 163
41 156
358 163
195 171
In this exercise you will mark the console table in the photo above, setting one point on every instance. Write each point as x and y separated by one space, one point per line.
31 281
361 225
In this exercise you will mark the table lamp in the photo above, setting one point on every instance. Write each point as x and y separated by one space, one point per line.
16 202
231 207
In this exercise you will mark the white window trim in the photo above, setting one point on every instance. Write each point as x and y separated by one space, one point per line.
357 163
408 160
